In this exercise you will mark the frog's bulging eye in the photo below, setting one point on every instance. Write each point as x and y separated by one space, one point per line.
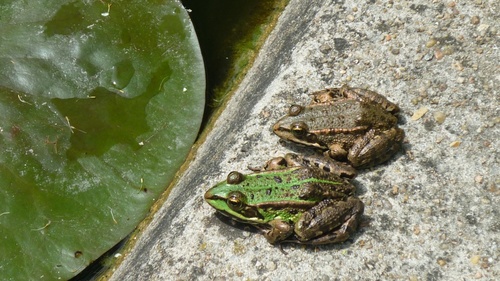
299 128
236 200
294 110
234 177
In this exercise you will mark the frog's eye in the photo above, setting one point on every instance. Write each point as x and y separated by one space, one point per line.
294 110
234 177
236 200
299 128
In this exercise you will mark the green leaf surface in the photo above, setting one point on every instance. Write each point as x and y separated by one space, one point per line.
99 105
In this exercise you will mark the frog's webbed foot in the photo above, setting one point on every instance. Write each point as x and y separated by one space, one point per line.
276 163
257 169
279 163
328 95
324 163
375 147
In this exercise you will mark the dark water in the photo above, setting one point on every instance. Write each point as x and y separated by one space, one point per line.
229 32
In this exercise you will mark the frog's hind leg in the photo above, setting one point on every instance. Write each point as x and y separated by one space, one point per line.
375 147
330 221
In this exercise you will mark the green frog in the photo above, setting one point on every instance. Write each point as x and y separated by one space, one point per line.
352 124
290 203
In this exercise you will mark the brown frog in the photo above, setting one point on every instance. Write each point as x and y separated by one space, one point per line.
351 124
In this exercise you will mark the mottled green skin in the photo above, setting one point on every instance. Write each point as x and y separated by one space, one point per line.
282 194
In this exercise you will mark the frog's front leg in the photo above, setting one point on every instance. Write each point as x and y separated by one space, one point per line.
326 164
375 147
330 221
279 231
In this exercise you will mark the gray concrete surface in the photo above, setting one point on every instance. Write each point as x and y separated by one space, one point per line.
433 213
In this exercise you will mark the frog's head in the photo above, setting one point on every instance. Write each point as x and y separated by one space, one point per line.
227 198
294 127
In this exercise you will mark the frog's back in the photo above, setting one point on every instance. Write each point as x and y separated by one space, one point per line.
319 184
348 114
342 115
300 186
375 116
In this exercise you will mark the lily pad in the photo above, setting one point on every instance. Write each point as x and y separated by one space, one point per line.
99 105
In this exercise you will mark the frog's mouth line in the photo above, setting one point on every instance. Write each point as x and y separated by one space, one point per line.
284 133
247 214
240 218
310 143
